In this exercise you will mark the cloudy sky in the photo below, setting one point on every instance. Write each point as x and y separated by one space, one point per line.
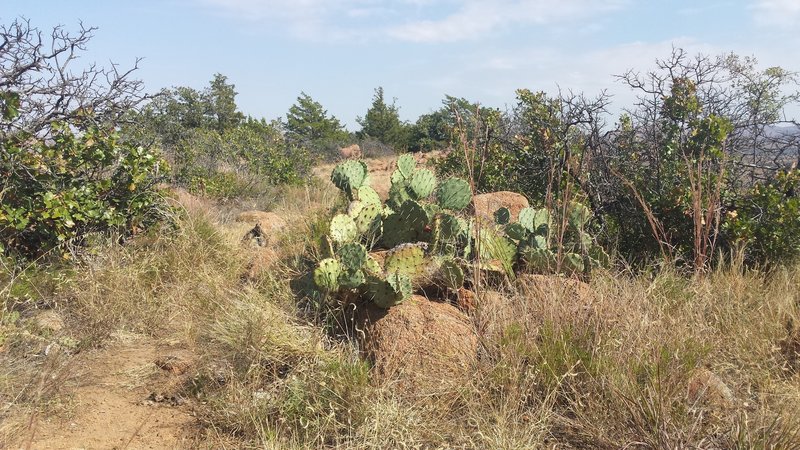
338 51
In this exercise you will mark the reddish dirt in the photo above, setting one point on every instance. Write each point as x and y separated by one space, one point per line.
110 407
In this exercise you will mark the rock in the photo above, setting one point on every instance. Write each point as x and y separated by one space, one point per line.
269 221
706 388
487 204
419 344
352 151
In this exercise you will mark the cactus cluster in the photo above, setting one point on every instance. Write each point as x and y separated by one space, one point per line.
430 243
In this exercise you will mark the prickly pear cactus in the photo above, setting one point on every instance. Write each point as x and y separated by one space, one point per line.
454 194
352 256
343 229
367 195
406 258
450 273
407 224
368 220
349 176
406 164
578 215
502 216
389 291
496 250
422 184
326 275
536 221
572 263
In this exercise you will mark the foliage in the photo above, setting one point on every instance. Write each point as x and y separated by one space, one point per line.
214 148
56 193
382 122
766 221
309 125
64 173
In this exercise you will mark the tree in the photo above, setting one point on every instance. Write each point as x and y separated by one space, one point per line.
382 122
703 131
37 79
221 98
63 171
308 124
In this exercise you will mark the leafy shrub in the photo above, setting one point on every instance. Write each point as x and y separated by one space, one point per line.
59 190
766 221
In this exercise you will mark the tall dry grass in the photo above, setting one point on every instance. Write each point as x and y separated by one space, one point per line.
561 364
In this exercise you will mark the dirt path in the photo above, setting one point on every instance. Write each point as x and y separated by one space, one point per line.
114 407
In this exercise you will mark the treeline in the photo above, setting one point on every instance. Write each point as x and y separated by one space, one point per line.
702 165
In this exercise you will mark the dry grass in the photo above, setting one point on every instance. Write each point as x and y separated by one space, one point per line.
608 369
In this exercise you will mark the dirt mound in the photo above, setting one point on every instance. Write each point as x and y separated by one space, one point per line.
420 344
487 204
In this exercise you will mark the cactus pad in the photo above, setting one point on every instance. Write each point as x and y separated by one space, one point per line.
406 165
354 207
388 292
369 219
406 258
367 195
578 215
451 274
406 224
572 263
343 229
353 256
422 184
372 267
454 194
502 216
326 275
349 176
352 280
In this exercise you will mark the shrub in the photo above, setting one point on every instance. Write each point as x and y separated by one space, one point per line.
766 221
57 191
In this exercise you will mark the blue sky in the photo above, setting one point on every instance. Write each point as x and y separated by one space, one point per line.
338 51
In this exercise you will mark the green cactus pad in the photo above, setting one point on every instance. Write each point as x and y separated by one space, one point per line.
326 275
578 215
454 194
572 263
422 184
517 231
352 280
326 246
451 274
398 194
538 241
343 229
535 220
369 219
539 259
388 292
599 256
406 165
349 176
406 224
354 207
502 216
372 267
406 258
398 178
367 195
352 256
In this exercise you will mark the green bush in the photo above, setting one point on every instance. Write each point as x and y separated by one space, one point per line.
56 191
766 221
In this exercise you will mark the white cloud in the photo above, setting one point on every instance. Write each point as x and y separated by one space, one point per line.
430 20
781 13
474 18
